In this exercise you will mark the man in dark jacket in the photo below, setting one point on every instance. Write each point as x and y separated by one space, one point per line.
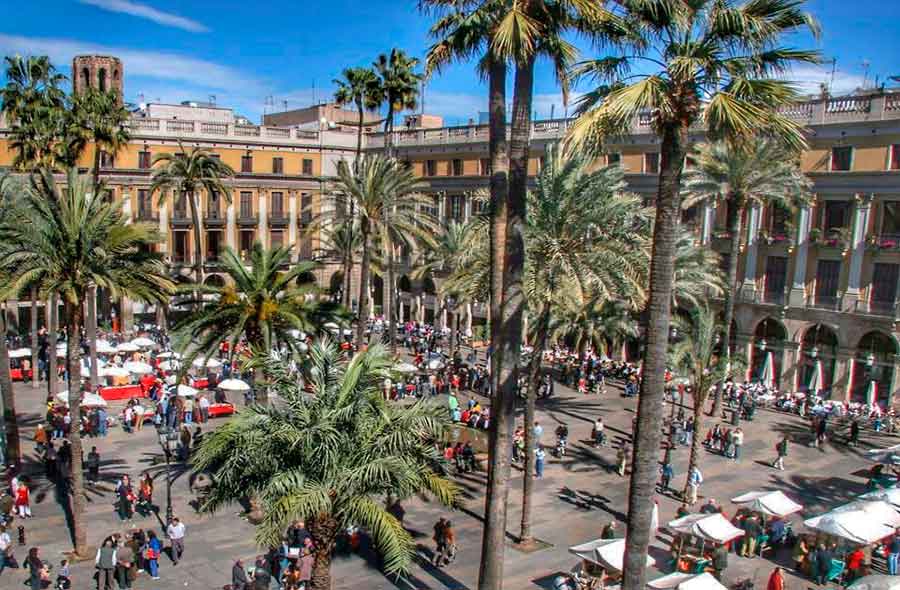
239 579
262 579
719 561
823 559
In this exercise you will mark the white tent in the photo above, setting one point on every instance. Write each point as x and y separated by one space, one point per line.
405 368
186 391
332 327
210 363
681 581
879 511
890 495
88 400
114 372
233 385
127 347
709 527
143 342
769 503
607 553
168 355
853 525
138 368
20 353
170 365
435 364
104 347
876 582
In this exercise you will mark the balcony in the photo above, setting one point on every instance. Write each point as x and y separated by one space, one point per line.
880 308
889 242
212 260
774 298
214 218
246 218
181 259
278 219
147 215
829 302
180 218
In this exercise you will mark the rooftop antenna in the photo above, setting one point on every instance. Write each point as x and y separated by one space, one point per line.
552 110
422 102
833 70
314 91
269 102
212 99
284 103
865 64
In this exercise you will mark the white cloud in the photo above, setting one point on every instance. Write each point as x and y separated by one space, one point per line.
152 64
148 12
810 78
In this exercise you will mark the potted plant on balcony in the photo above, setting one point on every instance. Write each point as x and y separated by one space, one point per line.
765 237
815 235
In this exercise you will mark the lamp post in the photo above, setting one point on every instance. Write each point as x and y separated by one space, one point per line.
168 440
451 307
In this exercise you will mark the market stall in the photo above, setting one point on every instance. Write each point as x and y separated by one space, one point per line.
695 536
682 581
601 563
773 508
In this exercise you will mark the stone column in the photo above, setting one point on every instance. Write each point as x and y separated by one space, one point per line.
292 226
843 373
126 204
127 319
469 319
709 219
748 289
262 197
230 227
420 308
790 363
164 228
400 308
858 250
797 297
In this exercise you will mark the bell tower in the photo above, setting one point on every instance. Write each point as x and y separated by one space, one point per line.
103 72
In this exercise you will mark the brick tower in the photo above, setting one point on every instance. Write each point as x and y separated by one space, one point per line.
102 72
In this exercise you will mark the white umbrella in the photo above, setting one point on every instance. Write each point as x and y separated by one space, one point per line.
348 332
143 342
769 503
233 385
405 368
210 363
127 347
104 347
169 365
168 355
878 511
138 368
114 372
20 353
89 399
854 525
815 380
435 364
186 391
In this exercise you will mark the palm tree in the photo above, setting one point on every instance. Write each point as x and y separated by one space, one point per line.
697 356
385 194
344 241
681 63
186 174
330 458
698 275
399 83
262 304
66 240
601 323
758 172
9 419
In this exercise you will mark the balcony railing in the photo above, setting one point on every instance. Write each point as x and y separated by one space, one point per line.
884 308
829 302
278 218
213 217
774 297
147 215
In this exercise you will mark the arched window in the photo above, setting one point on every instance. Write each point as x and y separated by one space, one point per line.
873 369
101 80
819 348
768 352
85 77
404 284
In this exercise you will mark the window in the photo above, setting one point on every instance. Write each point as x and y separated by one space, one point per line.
890 220
305 218
144 160
690 216
456 167
430 167
106 160
277 165
894 163
780 220
181 207
457 207
433 209
246 204
841 158
835 215
651 163
213 245
276 239
213 211
247 163
181 250
485 166
828 274
884 286
246 243
776 279
307 167
613 159
479 206
277 204
305 200
145 204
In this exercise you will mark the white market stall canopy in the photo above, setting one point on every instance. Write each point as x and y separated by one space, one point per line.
405 368
209 363
138 368
878 510
143 342
606 553
20 353
104 347
876 582
168 355
127 347
233 385
680 581
853 525
114 372
709 527
89 400
769 503
890 495
186 391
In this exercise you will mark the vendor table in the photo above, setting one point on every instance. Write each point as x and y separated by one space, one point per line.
200 383
16 374
121 392
218 410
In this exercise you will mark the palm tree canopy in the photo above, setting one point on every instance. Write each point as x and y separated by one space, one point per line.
674 62
698 273
696 354
188 172
99 118
334 454
359 87
263 303
399 80
65 240
759 172
31 83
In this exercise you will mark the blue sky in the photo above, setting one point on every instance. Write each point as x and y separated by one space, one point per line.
243 52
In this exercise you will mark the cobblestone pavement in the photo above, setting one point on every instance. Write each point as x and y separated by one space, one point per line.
577 497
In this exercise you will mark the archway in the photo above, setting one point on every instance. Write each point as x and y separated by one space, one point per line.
767 351
214 281
101 80
428 286
85 78
377 293
818 350
404 285
336 285
873 365
306 278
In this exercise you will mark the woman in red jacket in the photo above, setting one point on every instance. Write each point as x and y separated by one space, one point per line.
776 580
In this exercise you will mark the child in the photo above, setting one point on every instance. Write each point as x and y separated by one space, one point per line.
63 582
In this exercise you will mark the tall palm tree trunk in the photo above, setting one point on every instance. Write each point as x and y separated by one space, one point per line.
502 405
731 292
642 487
508 344
91 304
74 321
52 338
348 258
534 384
695 443
35 344
198 251
10 421
323 530
363 284
95 173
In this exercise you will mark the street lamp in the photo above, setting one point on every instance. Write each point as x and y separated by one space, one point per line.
168 440
451 306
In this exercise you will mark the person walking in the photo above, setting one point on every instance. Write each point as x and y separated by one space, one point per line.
539 456
152 550
93 466
719 561
822 564
776 580
781 451
105 562
35 567
439 540
695 478
126 497
893 554
175 531
6 551
622 459
124 565
23 500
737 441
667 472
239 579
